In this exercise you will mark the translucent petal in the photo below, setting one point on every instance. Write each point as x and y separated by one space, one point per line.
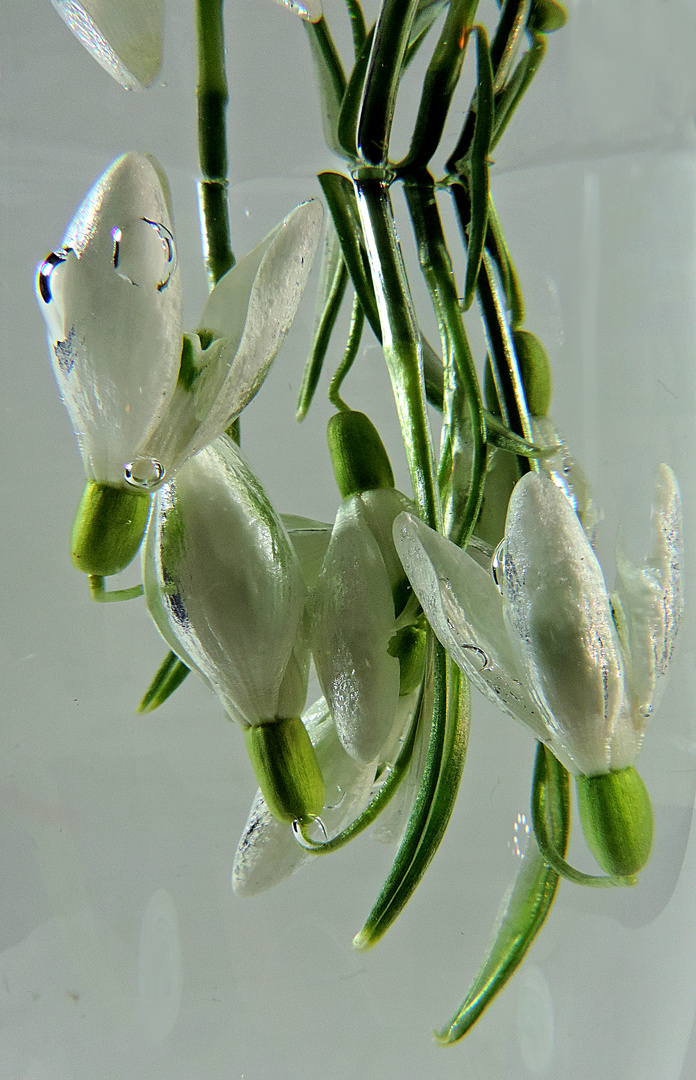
310 539
249 312
560 622
352 624
124 36
268 852
112 302
230 584
566 474
651 596
465 610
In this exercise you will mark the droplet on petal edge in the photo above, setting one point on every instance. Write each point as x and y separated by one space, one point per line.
309 10
144 473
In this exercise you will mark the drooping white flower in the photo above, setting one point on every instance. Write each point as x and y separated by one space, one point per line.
224 587
140 404
123 36
551 647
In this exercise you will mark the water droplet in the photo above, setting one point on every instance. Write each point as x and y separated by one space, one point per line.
144 473
47 278
497 564
144 253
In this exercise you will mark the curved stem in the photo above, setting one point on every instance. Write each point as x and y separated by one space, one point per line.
357 324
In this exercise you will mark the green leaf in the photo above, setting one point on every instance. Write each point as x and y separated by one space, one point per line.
168 678
434 802
333 280
500 436
350 109
440 81
384 70
478 166
514 90
331 79
525 912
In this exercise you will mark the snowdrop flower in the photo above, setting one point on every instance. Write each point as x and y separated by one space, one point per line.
553 649
365 658
123 36
225 589
268 851
141 403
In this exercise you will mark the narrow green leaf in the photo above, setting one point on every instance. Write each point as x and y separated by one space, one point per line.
498 435
331 80
498 249
434 803
333 280
525 912
478 166
548 780
439 84
357 324
347 127
168 678
401 338
514 90
357 25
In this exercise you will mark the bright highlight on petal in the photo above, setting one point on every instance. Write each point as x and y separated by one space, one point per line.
123 36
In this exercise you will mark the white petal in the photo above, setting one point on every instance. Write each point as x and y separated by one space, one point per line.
112 301
566 474
251 310
230 583
124 36
268 852
352 624
465 611
651 596
310 539
560 622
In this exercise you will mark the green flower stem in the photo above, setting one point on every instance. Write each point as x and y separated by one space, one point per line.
401 339
439 84
357 324
340 197
331 79
384 71
212 97
459 363
168 678
549 773
98 591
526 911
322 337
434 803
376 805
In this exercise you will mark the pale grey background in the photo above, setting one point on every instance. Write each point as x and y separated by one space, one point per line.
123 953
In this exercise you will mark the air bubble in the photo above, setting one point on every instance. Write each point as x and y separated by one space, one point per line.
144 473
46 277
520 835
143 253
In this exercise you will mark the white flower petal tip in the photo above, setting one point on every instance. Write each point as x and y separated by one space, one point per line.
308 10
123 36
649 597
268 852
111 298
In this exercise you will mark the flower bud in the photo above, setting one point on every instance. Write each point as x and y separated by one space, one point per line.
546 16
286 768
617 820
408 646
535 372
108 529
358 456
